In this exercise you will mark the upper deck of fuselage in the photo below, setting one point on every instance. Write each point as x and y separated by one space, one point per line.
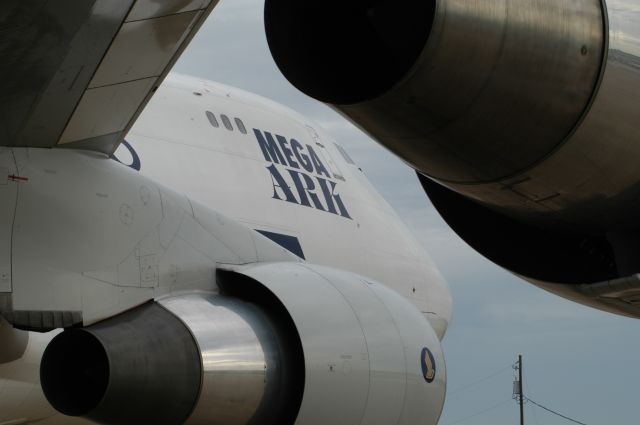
278 172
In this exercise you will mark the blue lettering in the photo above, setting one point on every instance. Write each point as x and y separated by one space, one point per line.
306 190
279 183
303 159
269 147
333 199
287 152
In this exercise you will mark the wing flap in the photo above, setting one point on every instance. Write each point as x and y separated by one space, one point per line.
77 74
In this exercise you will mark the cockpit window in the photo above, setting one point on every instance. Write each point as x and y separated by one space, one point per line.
212 119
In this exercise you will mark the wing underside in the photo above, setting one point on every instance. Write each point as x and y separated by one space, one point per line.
77 73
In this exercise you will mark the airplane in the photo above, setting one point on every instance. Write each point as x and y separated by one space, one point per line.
178 251
283 193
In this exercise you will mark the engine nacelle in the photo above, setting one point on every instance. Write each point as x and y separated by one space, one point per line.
281 343
529 110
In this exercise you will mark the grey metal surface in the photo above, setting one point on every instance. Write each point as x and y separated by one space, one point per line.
140 367
591 182
68 67
620 296
498 86
42 321
13 342
145 9
50 51
241 360
196 359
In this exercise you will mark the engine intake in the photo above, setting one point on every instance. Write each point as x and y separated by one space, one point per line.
347 51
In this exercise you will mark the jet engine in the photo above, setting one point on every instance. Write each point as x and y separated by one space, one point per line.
280 343
520 117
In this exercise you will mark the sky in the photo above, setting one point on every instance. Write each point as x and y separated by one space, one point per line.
577 361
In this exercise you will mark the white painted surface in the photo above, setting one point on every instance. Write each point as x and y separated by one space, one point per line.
362 344
227 171
95 237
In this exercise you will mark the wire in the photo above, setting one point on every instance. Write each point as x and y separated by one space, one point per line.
533 411
466 387
480 413
555 413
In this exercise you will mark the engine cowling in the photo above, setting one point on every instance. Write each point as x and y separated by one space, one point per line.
281 343
523 113
467 92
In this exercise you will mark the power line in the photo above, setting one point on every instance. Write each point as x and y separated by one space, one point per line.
524 398
479 381
533 411
554 412
480 413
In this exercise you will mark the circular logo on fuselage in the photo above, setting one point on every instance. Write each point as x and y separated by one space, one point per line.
428 365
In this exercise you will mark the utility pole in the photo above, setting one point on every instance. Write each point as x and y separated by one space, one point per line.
521 392
518 394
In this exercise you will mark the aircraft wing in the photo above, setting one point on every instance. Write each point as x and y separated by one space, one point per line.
77 73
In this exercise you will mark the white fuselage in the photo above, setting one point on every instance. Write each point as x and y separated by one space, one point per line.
273 171
227 171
